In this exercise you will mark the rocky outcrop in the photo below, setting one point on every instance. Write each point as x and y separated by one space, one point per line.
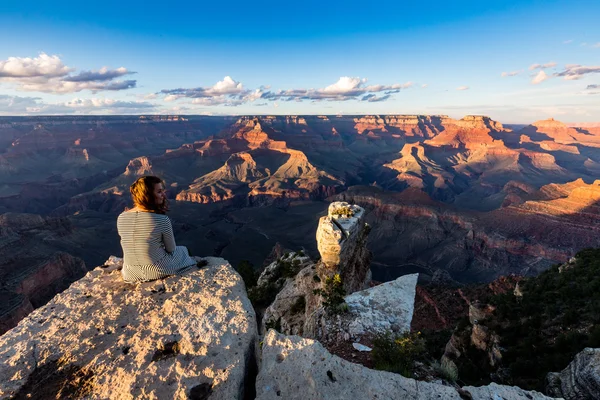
189 336
580 380
297 368
298 307
341 240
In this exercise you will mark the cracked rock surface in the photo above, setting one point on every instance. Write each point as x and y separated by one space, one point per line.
296 368
187 336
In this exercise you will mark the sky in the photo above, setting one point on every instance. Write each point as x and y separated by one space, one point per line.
516 61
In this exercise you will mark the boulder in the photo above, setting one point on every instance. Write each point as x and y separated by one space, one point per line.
187 336
580 380
297 368
387 307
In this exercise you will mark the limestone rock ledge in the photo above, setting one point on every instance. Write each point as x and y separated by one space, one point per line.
296 368
188 336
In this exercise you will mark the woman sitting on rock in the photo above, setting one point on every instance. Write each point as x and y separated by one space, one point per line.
149 250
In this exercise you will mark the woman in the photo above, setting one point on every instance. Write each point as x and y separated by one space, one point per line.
149 250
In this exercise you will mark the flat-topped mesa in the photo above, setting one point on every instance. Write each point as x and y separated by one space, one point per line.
479 121
341 240
549 123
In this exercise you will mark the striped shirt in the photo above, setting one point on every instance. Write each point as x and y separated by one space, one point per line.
149 249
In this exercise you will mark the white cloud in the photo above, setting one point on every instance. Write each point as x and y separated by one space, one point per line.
48 74
345 84
542 66
423 86
17 105
512 73
567 41
229 92
539 78
150 96
462 88
171 97
40 66
596 46
226 86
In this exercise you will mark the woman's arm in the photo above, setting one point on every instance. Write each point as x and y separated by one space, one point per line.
167 236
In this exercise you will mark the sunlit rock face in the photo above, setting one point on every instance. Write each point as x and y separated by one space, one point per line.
341 240
296 368
188 336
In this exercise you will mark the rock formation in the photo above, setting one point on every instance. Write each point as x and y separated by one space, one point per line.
297 368
341 240
190 336
580 380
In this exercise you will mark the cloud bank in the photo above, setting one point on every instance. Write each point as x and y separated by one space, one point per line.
48 74
230 92
18 105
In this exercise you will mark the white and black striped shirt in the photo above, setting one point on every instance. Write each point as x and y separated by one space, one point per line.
149 249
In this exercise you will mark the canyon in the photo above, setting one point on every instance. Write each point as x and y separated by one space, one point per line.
468 196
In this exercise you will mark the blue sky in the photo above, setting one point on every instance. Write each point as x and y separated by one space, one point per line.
326 57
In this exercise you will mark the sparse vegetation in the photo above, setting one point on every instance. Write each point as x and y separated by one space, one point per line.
557 317
248 273
262 296
344 211
333 294
446 370
397 352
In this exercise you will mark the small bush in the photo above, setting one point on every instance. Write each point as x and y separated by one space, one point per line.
397 353
316 278
446 370
343 212
263 296
299 305
247 272
333 295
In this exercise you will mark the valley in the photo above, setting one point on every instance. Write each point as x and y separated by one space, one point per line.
470 197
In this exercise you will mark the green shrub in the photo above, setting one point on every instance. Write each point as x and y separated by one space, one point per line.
247 272
343 212
397 353
333 294
446 370
557 317
263 296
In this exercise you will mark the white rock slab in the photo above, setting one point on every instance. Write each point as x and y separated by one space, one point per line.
387 307
294 368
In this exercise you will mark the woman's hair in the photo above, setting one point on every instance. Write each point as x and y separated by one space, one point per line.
142 193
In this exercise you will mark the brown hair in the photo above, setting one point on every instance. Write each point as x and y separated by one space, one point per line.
142 193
